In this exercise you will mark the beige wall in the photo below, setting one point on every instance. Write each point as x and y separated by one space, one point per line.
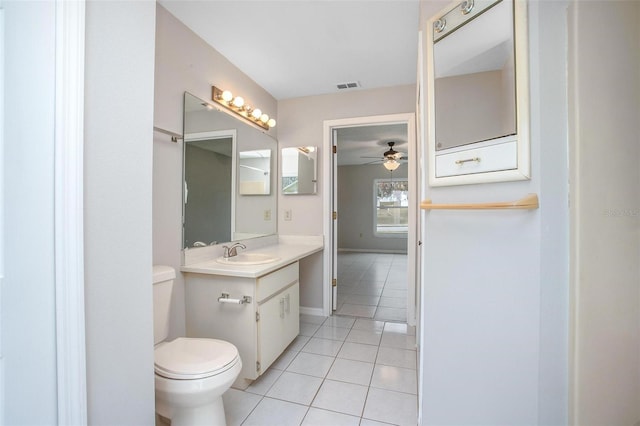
301 123
184 62
605 124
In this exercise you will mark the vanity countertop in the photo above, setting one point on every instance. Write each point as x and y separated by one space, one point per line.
285 253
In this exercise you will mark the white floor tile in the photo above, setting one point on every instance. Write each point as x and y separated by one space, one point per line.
350 371
357 310
364 336
358 352
323 346
361 299
344 398
333 333
338 321
397 283
390 314
399 328
368 324
273 412
393 302
395 379
390 292
311 364
307 329
368 290
391 407
397 357
367 422
262 384
293 387
318 417
395 340
298 343
238 405
312 319
284 360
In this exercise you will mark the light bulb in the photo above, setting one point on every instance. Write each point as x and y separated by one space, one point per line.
227 96
256 113
238 101
271 122
391 164
264 118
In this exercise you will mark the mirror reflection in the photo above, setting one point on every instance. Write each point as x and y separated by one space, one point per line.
207 192
475 88
299 170
218 207
255 172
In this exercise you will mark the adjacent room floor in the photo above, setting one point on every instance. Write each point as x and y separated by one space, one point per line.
372 285
339 371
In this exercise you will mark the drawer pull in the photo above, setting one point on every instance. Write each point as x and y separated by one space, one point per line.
225 299
468 160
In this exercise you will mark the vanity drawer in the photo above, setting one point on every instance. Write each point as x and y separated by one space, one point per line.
490 158
270 284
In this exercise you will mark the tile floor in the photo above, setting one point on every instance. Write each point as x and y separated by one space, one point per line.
372 285
339 371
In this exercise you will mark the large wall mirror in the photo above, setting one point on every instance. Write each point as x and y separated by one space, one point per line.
478 113
227 177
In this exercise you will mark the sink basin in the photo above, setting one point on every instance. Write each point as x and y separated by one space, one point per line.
248 259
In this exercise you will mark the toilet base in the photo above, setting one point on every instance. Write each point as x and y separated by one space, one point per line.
210 415
195 402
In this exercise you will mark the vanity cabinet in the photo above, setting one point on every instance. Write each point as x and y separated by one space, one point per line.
261 328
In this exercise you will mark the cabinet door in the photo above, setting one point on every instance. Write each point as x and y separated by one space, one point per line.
292 314
278 325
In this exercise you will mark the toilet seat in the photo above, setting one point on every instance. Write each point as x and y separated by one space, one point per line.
192 358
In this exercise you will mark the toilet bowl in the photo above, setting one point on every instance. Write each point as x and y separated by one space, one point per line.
191 374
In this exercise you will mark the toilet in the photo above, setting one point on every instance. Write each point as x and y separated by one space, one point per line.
191 374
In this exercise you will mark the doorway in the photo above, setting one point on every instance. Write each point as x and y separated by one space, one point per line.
372 211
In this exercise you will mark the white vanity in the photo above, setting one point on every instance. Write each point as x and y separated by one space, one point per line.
254 306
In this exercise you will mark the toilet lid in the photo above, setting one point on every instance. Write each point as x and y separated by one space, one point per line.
193 358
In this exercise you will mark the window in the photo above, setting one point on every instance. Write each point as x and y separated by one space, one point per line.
391 207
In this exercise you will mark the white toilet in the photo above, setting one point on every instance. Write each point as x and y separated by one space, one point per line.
191 373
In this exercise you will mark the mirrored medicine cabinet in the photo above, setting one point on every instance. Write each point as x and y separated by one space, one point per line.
299 170
477 93
227 177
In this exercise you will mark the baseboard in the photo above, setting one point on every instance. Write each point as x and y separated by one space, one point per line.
364 250
311 311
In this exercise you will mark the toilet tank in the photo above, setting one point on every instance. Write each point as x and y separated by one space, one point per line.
163 277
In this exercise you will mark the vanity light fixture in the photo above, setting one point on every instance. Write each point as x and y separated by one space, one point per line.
237 105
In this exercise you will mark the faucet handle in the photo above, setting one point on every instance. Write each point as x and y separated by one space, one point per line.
225 251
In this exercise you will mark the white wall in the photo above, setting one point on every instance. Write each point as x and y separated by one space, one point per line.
301 122
605 124
28 294
118 170
494 297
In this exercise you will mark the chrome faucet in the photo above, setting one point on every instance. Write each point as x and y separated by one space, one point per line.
233 250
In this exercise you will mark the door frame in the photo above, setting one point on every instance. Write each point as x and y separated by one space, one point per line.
329 182
68 205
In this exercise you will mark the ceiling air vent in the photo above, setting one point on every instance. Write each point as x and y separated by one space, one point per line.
349 85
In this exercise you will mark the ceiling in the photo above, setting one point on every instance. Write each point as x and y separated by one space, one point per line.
296 48
367 144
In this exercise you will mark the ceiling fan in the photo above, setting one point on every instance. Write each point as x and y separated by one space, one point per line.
391 158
